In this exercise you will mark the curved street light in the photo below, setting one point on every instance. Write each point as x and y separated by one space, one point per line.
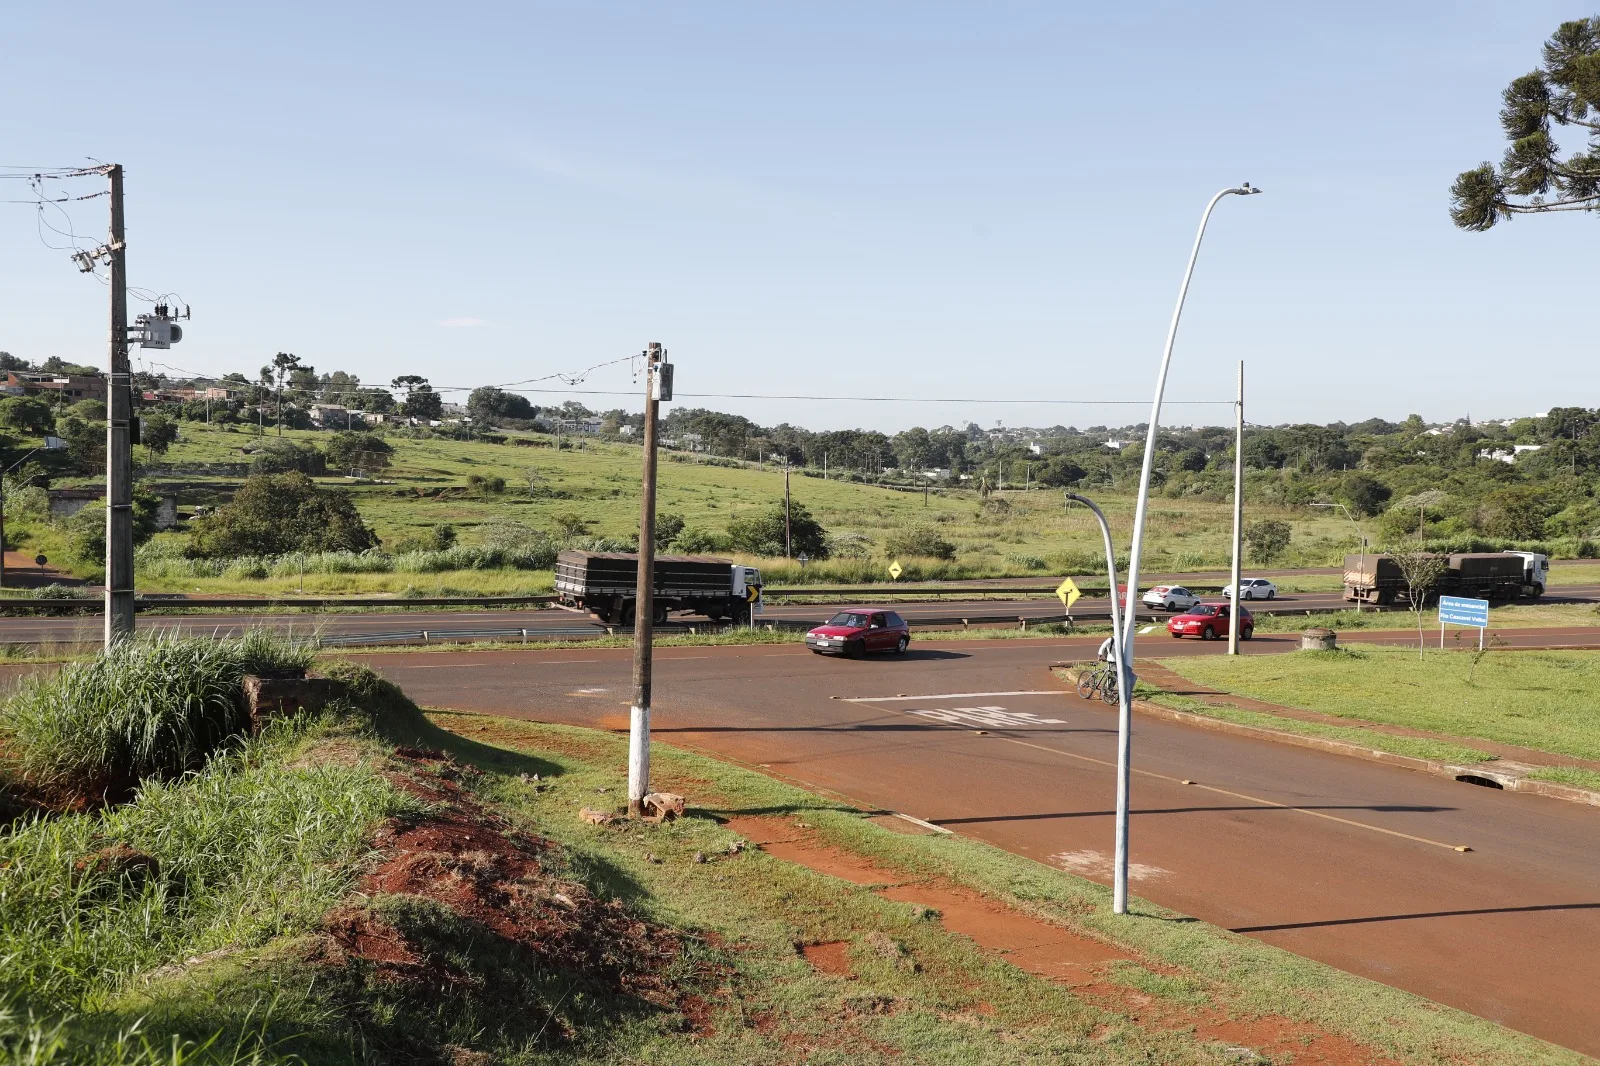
1124 740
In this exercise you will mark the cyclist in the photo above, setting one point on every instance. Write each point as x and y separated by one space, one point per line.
1108 650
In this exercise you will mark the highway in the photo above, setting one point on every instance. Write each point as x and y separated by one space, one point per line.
557 623
1349 862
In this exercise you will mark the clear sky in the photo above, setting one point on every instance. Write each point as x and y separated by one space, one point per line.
935 200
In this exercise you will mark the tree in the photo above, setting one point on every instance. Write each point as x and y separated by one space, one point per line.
1059 472
86 530
284 456
279 513
489 404
1516 512
1267 539
1420 571
158 433
571 525
1563 90
762 533
27 414
420 402
922 541
88 410
358 453
1363 494
285 366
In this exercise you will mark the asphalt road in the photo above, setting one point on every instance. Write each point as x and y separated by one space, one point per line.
1335 858
556 623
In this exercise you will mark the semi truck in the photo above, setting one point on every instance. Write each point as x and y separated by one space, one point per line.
606 584
1376 577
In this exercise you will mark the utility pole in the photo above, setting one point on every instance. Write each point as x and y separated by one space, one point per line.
644 593
1238 511
119 457
788 535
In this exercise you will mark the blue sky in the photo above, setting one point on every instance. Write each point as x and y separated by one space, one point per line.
937 200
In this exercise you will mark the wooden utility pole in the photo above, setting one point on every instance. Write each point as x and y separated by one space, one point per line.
788 536
119 458
644 595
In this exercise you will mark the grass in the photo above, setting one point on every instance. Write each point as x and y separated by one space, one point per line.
1535 699
1576 776
1508 616
152 707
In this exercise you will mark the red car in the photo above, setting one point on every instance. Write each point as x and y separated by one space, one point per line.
857 631
1209 621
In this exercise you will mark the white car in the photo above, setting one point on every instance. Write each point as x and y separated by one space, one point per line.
1254 588
1170 597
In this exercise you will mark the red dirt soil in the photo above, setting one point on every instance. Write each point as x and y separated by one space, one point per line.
1048 950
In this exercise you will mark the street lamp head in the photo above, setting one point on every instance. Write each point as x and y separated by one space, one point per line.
1246 189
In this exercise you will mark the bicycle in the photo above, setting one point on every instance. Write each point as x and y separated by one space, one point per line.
1102 679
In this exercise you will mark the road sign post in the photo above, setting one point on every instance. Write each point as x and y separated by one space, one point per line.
895 571
1463 611
1067 592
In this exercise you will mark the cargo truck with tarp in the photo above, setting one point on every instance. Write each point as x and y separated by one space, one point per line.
606 583
1376 577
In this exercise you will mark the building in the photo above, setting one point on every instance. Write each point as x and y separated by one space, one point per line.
1509 455
64 388
589 425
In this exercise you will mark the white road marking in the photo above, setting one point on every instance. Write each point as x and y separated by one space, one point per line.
956 695
990 716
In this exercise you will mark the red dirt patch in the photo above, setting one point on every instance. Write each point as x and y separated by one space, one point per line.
832 957
1047 950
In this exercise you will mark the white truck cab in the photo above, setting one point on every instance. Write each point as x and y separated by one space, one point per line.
746 578
1535 573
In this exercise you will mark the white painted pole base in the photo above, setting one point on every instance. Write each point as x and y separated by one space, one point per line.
638 758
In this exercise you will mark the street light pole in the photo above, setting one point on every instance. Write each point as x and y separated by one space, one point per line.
644 593
1142 505
1119 875
1238 512
1359 534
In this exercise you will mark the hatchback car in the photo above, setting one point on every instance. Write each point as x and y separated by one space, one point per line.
1253 588
858 631
1209 621
1170 597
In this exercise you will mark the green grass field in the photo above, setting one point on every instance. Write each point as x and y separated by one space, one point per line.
1535 699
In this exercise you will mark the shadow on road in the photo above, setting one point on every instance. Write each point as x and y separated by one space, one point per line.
1376 808
1422 914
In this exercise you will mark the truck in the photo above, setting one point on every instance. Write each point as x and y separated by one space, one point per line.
1376 577
606 584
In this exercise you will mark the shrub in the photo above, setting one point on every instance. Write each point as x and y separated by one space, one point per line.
919 541
146 708
762 533
1267 539
285 456
28 414
86 530
702 542
668 526
157 432
434 539
359 453
272 515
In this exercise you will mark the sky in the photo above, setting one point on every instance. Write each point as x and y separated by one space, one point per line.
931 200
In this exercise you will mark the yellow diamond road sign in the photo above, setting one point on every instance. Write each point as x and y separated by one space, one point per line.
894 570
1068 593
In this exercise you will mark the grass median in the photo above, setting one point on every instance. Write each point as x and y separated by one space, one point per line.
1533 699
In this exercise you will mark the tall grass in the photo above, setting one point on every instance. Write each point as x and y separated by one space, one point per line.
250 847
146 708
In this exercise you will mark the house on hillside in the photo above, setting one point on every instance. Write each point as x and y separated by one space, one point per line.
67 388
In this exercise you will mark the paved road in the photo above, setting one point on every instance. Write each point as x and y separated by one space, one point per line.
553 623
1345 861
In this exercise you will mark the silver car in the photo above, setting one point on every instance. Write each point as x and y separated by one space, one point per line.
1170 597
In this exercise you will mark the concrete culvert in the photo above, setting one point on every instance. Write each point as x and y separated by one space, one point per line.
1474 779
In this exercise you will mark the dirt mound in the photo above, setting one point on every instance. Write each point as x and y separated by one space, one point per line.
506 896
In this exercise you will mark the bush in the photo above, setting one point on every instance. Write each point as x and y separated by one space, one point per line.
86 530
157 432
923 541
358 453
668 526
273 515
702 542
27 414
434 539
762 533
1267 539
146 708
285 456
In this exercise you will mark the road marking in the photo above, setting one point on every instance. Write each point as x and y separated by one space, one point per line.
1245 796
954 695
458 666
993 716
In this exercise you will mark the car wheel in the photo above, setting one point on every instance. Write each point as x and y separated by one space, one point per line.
901 646
1175 636
1208 633
1247 632
1272 594
856 649
1249 595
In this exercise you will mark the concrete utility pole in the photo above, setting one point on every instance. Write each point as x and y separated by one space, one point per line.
644 594
1238 512
119 457
788 535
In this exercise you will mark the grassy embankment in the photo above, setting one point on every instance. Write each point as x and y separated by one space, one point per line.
233 911
1534 699
1034 534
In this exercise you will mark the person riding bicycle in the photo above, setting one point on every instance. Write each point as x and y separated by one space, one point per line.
1108 650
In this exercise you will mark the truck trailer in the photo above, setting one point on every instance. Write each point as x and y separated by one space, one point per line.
606 584
1376 577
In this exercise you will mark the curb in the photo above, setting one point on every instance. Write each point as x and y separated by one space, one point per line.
1512 777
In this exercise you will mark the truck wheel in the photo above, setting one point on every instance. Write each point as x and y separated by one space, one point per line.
1538 590
658 613
626 615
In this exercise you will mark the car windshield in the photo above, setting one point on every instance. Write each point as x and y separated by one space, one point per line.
1207 609
845 618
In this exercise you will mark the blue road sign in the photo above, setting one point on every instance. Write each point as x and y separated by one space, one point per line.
1464 611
